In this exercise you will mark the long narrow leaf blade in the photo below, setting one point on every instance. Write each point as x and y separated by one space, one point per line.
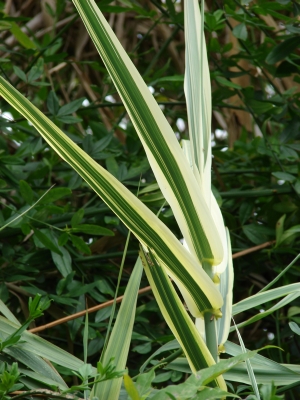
198 94
177 318
265 370
8 314
136 216
264 297
118 345
40 347
172 172
44 372
282 303
226 288
248 365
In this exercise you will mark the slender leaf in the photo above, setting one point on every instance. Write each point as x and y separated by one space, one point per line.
289 234
92 230
118 345
77 217
264 297
40 347
248 365
139 219
198 94
265 370
226 288
166 347
36 364
80 244
8 314
288 299
279 229
70 107
130 388
26 192
177 318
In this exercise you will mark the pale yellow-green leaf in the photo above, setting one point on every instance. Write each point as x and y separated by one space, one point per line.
130 388
119 341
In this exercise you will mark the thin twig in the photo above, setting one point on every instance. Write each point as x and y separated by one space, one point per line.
82 313
252 249
120 298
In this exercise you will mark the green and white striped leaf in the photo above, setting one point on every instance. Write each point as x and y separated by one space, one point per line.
286 300
136 216
172 172
177 318
264 297
118 345
198 94
226 279
214 210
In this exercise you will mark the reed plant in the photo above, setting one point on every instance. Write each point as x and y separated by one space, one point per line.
200 265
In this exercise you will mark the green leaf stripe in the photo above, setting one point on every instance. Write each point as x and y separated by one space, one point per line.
177 318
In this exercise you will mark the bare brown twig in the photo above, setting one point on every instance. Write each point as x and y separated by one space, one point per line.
252 249
82 313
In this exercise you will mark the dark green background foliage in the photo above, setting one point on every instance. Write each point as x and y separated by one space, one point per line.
69 246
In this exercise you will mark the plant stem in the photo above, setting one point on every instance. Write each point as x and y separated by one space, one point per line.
278 335
210 322
211 335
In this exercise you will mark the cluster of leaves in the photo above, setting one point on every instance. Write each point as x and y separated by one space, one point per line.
68 246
